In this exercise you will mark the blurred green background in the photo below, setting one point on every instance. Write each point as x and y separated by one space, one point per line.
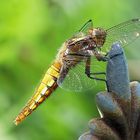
31 32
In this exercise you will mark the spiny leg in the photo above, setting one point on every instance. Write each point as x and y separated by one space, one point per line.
89 74
92 75
98 73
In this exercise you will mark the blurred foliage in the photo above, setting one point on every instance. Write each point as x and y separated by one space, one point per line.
31 32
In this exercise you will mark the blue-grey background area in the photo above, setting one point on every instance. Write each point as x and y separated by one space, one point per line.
31 32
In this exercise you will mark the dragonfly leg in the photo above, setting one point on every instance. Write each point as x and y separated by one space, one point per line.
102 58
92 75
98 73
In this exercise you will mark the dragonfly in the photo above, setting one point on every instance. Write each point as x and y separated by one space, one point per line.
71 68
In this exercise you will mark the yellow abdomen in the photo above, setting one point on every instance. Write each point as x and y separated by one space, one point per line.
47 86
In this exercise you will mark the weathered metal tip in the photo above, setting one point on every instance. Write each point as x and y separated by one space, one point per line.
88 136
117 75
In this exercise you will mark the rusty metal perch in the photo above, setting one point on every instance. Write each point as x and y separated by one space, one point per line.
120 107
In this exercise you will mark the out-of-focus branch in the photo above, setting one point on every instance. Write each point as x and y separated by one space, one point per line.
120 107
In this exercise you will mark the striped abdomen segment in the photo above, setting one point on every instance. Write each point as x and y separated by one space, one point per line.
47 86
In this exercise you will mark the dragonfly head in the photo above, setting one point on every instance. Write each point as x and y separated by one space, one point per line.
99 36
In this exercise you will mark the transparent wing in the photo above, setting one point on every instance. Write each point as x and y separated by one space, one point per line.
75 78
123 33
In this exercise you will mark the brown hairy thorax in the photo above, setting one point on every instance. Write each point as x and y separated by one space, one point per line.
98 35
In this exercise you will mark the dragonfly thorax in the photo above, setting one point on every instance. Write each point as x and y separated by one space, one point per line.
88 43
81 47
98 35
